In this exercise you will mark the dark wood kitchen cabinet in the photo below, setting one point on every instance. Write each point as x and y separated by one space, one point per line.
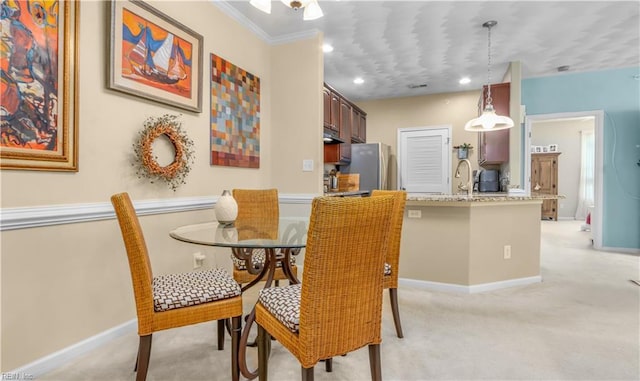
358 125
331 103
326 101
493 147
363 127
345 130
348 120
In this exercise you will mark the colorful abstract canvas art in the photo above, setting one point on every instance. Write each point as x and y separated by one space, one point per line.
235 115
38 75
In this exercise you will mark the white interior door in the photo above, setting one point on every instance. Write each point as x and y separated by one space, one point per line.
424 159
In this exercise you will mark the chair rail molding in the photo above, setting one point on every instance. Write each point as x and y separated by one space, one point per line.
50 215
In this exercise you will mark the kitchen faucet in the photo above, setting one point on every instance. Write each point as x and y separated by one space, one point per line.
469 186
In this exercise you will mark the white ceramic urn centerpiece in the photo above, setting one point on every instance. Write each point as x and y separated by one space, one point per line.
226 209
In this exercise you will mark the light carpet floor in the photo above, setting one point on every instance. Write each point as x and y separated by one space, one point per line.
581 323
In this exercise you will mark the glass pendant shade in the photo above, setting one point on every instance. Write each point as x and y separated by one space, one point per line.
488 121
263 5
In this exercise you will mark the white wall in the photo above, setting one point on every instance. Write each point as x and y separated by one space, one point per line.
566 134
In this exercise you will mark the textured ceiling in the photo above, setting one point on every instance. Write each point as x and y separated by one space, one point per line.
394 44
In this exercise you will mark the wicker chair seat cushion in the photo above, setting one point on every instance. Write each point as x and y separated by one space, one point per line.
387 269
189 289
257 260
284 304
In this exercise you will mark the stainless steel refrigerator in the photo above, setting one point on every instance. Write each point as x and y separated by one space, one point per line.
371 161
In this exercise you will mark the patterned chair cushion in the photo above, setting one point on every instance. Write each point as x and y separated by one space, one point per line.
387 269
189 289
257 260
284 304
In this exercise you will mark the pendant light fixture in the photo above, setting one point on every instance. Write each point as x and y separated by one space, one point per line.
311 8
489 120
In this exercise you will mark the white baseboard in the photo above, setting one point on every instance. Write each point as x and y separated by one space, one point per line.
624 250
57 359
484 287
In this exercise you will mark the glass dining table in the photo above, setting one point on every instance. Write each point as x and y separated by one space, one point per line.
280 238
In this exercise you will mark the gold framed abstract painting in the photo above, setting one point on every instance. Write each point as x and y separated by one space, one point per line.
154 56
39 81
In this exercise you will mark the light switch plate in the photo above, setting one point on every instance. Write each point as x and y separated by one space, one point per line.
307 165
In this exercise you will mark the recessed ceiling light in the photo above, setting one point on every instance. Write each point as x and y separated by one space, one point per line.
358 81
464 81
327 48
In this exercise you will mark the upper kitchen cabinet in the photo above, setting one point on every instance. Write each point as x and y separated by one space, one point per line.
345 130
347 121
494 146
331 109
326 97
358 125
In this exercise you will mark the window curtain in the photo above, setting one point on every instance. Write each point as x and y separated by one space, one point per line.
587 174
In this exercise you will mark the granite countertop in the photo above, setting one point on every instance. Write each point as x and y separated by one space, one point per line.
347 194
480 197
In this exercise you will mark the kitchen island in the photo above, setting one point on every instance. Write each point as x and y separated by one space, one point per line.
471 243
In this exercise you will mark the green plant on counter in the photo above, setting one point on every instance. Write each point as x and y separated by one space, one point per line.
464 146
463 150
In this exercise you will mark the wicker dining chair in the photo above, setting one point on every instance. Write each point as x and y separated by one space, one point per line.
258 207
338 307
392 261
175 300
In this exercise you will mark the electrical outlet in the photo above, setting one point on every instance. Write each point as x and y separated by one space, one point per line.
415 213
507 251
198 260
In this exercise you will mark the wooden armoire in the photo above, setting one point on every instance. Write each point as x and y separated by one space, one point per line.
544 181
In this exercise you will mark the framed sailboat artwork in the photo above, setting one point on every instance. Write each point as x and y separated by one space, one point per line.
154 56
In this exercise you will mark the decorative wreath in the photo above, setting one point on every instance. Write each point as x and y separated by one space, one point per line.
146 163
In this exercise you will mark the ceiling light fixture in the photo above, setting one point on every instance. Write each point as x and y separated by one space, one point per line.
489 120
464 80
312 10
263 5
327 48
358 81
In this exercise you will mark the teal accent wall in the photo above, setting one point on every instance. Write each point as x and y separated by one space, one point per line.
617 93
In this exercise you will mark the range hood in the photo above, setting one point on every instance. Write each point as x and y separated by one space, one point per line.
331 137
